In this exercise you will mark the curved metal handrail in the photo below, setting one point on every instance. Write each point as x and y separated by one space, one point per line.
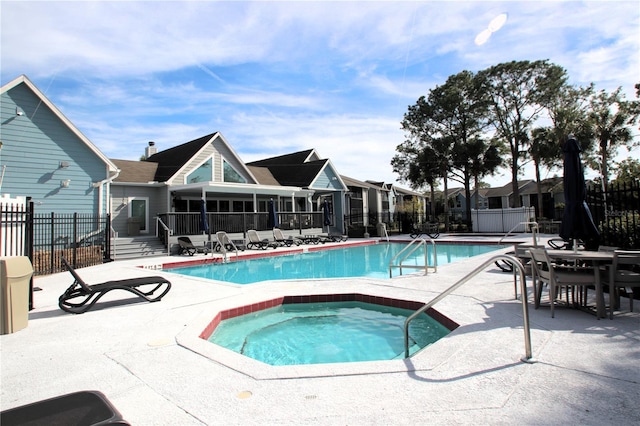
421 242
523 288
534 232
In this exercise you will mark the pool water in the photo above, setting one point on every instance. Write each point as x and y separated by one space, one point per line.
328 332
357 261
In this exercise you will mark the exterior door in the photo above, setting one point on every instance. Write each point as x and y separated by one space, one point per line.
138 208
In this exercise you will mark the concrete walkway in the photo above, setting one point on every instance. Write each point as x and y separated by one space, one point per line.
586 370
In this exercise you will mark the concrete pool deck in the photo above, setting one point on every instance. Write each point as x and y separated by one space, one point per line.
586 370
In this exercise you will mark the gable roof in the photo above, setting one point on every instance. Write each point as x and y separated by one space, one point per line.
23 79
296 169
404 191
291 159
355 182
171 160
136 171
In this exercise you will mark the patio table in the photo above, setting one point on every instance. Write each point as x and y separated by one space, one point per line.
596 258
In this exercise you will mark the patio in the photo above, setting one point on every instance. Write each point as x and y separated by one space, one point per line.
585 371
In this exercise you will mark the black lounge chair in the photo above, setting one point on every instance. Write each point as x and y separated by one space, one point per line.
87 295
278 237
186 246
332 238
254 241
77 408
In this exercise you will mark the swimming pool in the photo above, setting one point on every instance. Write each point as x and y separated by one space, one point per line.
370 260
321 333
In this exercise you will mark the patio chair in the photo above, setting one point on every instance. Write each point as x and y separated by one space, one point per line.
223 241
623 276
278 237
186 246
255 242
80 296
544 271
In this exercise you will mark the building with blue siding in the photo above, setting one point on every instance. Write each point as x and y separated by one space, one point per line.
44 157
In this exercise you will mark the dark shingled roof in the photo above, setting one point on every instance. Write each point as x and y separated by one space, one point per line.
294 158
291 169
135 171
171 160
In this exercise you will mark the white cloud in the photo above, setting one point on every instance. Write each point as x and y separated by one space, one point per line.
277 77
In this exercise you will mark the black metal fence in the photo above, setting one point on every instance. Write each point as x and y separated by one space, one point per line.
84 239
616 212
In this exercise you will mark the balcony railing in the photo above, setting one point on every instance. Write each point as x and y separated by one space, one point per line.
189 223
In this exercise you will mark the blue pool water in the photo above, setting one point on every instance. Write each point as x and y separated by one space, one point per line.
357 261
320 333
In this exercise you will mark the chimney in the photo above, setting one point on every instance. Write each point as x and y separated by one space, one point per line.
150 150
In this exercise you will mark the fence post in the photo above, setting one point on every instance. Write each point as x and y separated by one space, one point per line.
107 239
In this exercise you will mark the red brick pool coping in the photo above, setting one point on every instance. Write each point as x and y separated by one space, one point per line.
319 298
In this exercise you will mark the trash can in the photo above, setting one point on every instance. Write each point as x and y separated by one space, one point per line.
15 274
133 226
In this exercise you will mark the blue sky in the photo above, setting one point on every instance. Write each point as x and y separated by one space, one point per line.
279 77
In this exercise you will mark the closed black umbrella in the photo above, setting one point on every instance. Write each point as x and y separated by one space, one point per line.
577 222
204 223
272 221
326 214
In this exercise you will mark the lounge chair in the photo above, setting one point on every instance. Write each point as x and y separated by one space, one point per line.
80 296
332 238
255 242
84 407
225 242
279 237
310 239
186 246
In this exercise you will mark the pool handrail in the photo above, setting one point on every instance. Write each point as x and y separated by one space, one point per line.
523 289
422 243
534 232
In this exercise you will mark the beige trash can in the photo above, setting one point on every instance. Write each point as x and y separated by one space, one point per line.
15 274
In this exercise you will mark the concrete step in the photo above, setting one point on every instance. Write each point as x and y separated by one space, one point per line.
136 247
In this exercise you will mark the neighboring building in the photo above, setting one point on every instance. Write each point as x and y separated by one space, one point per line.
381 201
44 157
501 198
411 202
552 194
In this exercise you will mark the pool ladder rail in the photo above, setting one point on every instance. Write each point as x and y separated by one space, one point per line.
533 226
224 251
523 289
409 250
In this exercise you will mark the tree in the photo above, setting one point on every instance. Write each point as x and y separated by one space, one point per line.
410 163
441 130
628 172
516 93
610 119
544 152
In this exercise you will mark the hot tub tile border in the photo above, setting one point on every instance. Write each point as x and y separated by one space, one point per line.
322 298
